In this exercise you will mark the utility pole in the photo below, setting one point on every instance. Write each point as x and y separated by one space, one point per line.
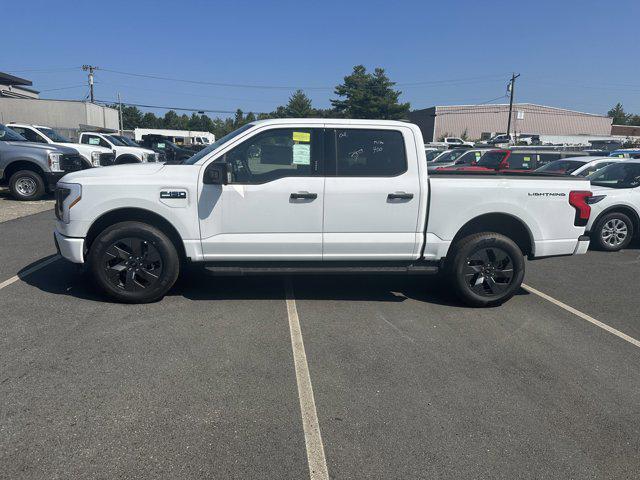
511 89
120 108
91 69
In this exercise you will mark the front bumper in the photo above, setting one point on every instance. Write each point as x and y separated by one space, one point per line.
70 248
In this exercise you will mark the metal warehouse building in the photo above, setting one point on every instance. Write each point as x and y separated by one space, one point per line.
482 121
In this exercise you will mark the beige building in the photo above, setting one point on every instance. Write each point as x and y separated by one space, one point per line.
483 121
18 103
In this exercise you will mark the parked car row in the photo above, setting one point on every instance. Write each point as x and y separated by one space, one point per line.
34 157
615 181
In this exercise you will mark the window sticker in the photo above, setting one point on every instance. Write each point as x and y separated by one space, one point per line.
526 159
301 154
94 141
478 154
161 145
301 137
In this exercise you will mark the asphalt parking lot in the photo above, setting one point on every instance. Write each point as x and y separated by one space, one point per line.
406 382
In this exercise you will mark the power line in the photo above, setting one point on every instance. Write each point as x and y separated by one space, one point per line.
293 87
163 107
63 88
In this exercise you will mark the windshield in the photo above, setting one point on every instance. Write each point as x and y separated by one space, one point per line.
125 140
431 155
564 166
450 156
206 151
114 140
491 159
8 135
617 175
53 135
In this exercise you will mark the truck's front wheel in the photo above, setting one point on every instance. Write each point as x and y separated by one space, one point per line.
133 262
26 185
485 269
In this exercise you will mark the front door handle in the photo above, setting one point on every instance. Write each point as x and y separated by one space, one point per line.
303 196
400 196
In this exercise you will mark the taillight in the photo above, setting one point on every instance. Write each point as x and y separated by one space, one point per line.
578 199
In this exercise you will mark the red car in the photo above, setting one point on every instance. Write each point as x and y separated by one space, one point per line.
499 160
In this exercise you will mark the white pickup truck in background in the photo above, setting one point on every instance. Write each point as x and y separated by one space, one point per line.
315 196
93 155
450 142
124 153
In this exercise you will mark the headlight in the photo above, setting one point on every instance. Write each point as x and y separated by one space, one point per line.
54 162
148 157
95 159
67 195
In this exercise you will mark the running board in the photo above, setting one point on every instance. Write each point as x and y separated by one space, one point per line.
330 268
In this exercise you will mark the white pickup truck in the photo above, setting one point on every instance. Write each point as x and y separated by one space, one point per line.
124 153
315 196
450 142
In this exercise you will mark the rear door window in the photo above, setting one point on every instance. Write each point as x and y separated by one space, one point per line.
370 153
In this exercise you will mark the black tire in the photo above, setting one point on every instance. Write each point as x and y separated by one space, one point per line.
612 232
26 185
485 269
133 262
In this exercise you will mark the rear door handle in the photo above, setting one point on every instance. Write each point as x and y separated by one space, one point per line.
400 196
303 196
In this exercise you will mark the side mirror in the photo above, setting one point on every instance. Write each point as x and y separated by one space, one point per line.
216 174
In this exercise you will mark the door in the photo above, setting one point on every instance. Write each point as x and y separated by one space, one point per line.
272 207
372 195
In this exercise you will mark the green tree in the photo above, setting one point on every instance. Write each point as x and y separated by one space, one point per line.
633 120
366 95
620 117
299 106
131 116
149 120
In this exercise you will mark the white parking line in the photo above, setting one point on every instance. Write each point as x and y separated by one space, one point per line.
584 316
29 271
312 438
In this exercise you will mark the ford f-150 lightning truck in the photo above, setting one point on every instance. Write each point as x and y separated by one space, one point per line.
315 196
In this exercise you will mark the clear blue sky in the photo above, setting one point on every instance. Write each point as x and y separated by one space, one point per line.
575 54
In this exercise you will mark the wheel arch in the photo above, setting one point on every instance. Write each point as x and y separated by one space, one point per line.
22 164
136 215
502 223
126 158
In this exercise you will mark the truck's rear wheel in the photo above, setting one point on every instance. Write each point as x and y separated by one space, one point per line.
485 269
26 185
134 262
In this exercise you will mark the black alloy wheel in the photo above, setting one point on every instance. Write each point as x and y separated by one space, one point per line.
132 264
489 271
